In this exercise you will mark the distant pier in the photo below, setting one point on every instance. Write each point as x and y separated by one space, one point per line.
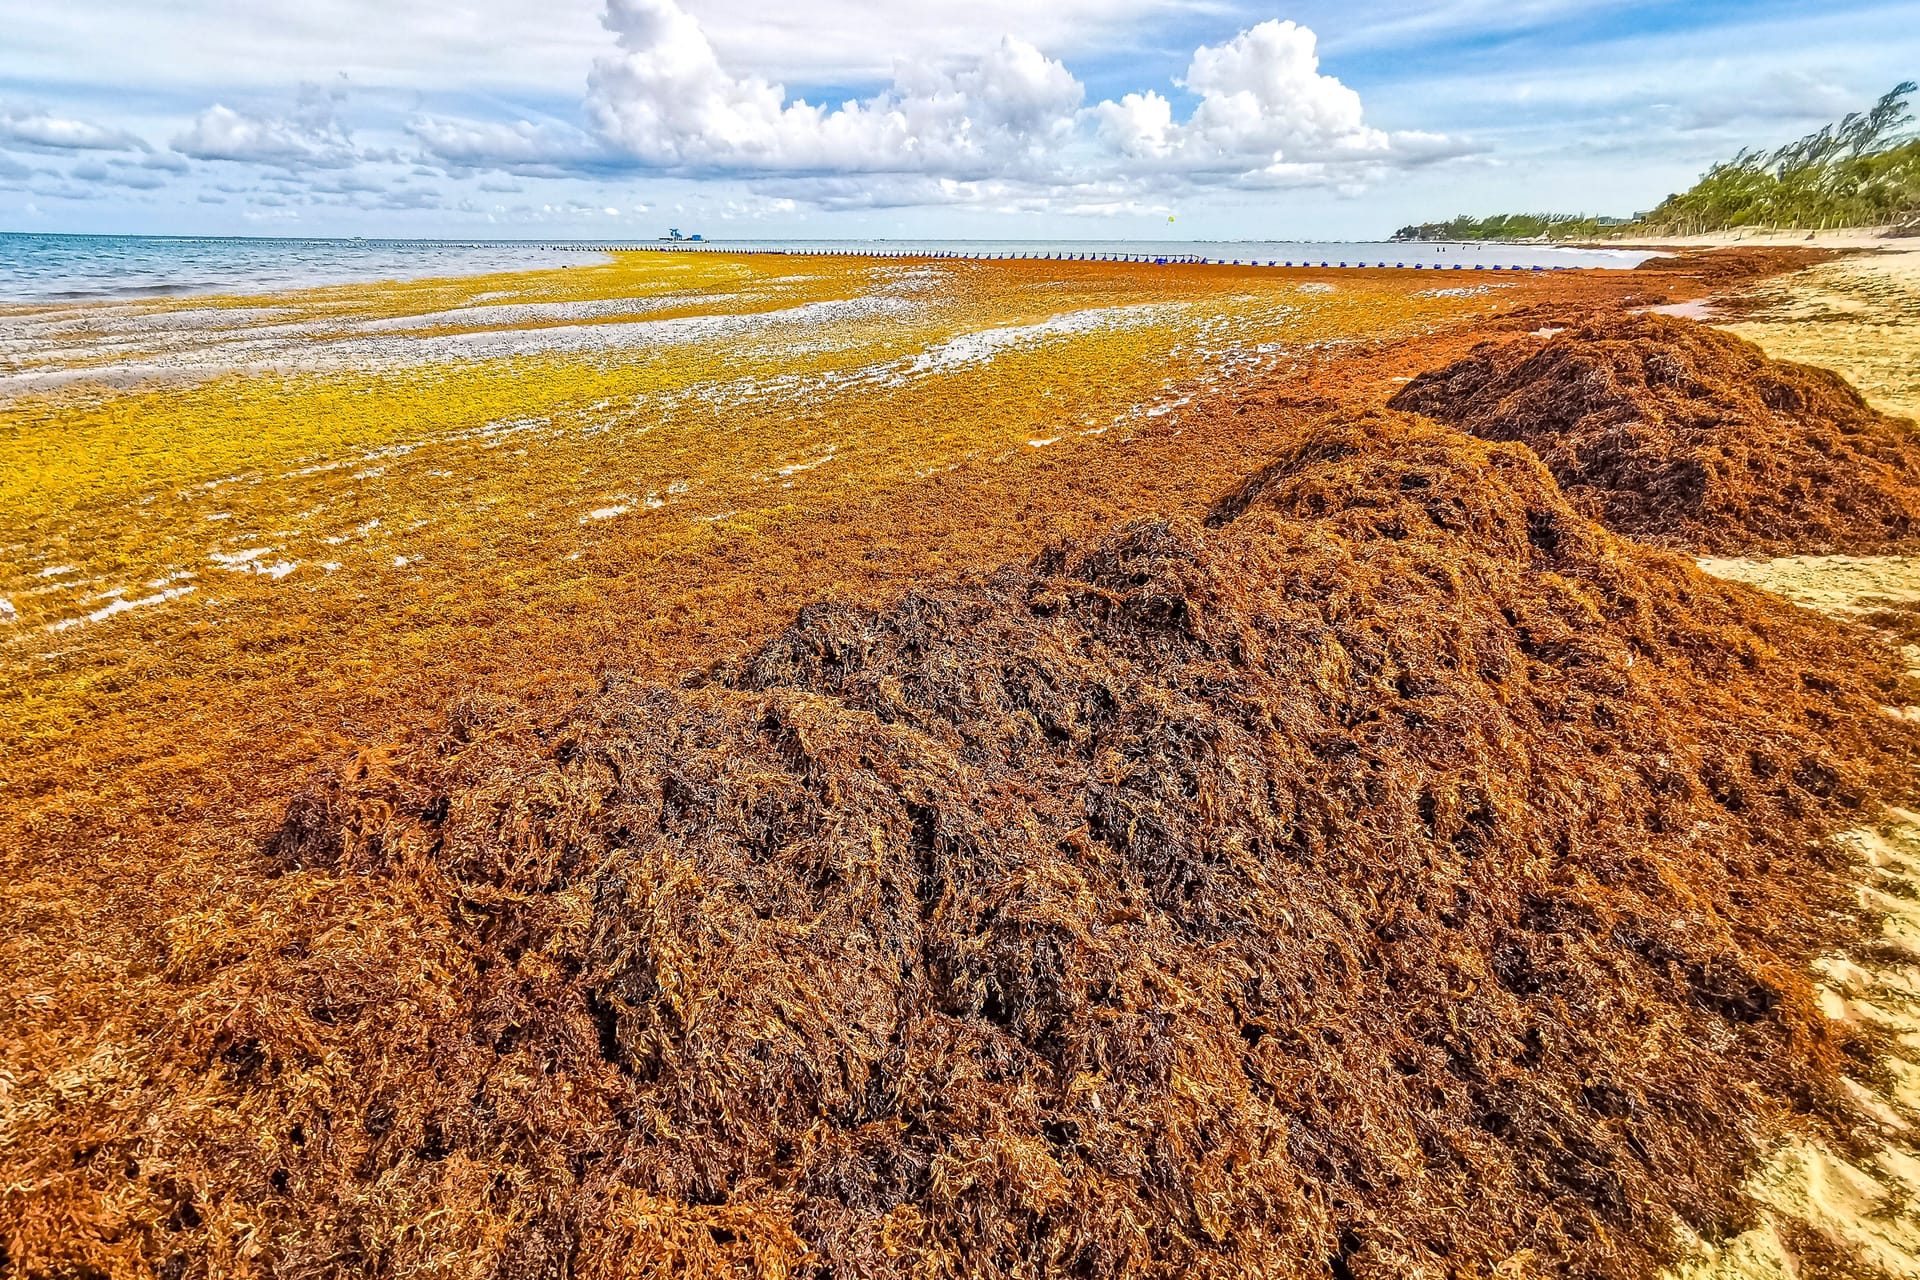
1145 259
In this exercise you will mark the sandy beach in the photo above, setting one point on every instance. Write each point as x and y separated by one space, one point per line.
1861 317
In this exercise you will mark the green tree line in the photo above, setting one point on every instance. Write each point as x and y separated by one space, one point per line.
1508 226
1861 171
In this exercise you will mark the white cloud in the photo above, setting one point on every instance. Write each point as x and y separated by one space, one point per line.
409 199
1266 117
537 149
1262 99
685 91
165 162
1139 125
666 101
311 136
1002 125
349 184
1792 95
41 130
1265 111
688 90
68 191
132 177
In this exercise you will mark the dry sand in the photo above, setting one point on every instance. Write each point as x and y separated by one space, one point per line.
1859 316
1831 1212
1851 238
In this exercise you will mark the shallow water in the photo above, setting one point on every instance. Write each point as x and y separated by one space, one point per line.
57 268
54 268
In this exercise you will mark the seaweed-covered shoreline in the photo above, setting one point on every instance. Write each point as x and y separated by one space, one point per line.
1380 869
1401 876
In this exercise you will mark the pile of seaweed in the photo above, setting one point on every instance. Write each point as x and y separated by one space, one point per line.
1677 433
1396 876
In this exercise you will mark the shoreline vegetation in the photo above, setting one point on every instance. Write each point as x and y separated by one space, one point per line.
1861 171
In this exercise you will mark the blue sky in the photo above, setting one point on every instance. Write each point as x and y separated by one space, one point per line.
605 118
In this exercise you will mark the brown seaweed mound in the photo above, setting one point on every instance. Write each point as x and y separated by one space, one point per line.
1677 433
1400 877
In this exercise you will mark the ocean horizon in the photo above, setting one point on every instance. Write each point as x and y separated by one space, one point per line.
52 267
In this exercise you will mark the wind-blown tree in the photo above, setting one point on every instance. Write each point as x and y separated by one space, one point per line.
1860 171
1863 170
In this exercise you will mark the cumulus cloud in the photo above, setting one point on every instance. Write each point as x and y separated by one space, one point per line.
666 101
42 131
1263 102
1001 125
1008 126
312 135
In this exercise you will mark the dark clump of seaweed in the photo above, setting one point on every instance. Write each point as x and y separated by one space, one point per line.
1677 433
1397 875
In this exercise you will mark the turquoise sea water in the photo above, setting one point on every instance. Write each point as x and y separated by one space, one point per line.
52 268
